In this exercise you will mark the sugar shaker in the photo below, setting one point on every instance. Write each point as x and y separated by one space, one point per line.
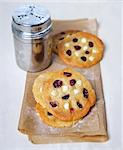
32 28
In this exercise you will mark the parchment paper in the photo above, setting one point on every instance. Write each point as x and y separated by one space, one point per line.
92 127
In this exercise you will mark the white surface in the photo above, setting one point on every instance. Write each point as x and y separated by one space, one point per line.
12 79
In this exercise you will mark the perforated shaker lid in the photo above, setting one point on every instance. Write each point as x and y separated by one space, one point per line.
31 19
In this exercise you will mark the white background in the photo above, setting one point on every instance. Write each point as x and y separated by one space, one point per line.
12 79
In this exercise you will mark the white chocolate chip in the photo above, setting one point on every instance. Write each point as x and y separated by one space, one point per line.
83 40
76 91
64 88
41 89
67 44
79 82
77 54
66 106
91 58
85 48
68 35
94 51
53 93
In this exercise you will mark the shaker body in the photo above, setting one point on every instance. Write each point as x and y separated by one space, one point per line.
33 54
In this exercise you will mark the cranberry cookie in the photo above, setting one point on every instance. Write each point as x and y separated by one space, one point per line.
81 49
41 106
68 94
50 120
57 38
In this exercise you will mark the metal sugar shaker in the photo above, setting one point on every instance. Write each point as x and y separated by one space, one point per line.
32 26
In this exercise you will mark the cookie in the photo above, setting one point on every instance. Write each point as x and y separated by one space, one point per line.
41 107
50 120
68 94
37 88
81 49
57 38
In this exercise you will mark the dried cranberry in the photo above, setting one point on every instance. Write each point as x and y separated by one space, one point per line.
85 92
61 38
62 32
53 104
75 40
68 74
79 105
66 96
72 82
90 44
57 83
71 110
83 58
87 52
69 52
77 47
49 114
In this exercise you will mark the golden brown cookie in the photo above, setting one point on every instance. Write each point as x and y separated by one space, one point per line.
81 49
45 114
50 120
37 88
68 94
57 38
